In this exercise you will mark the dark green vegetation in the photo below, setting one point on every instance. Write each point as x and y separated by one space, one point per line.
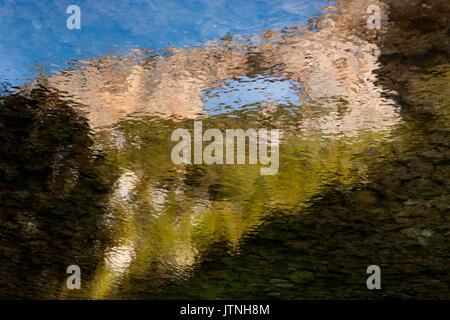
52 194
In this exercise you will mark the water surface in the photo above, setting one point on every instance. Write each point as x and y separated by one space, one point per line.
87 177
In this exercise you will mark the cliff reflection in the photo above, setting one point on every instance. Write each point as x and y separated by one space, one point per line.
101 191
164 219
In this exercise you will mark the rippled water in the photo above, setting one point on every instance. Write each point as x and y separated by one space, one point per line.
87 176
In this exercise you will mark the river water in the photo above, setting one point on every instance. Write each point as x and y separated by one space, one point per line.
87 177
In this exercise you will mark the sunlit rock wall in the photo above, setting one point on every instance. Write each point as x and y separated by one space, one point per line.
332 57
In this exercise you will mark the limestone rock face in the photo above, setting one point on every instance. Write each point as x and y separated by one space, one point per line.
334 58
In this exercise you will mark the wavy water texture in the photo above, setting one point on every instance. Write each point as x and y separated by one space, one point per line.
358 182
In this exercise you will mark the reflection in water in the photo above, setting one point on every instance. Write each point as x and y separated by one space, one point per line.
152 229
328 62
258 91
53 192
